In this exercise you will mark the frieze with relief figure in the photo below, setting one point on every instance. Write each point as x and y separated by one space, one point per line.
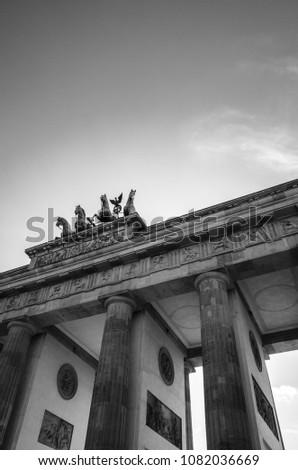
239 240
171 259
265 409
55 432
163 421
76 250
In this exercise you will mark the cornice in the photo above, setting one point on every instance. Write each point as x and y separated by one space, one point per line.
254 197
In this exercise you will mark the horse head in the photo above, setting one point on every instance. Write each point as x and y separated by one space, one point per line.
80 211
66 230
104 199
59 221
105 215
129 207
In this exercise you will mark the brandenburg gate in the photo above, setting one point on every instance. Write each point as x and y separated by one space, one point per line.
100 331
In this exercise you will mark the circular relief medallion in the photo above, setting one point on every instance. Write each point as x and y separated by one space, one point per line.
166 366
255 350
67 381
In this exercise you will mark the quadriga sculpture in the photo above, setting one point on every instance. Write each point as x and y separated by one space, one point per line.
81 222
129 207
66 229
117 204
105 214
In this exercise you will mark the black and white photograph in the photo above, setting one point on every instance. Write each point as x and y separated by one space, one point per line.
149 227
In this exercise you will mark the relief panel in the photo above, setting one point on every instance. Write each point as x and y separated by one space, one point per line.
55 432
163 421
265 409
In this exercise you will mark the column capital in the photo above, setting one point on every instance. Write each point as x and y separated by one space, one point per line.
24 325
120 299
188 367
212 275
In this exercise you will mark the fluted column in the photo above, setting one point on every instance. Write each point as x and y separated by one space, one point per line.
107 420
188 421
12 360
225 409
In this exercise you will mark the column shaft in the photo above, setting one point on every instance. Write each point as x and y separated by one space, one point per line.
107 421
225 409
12 360
188 421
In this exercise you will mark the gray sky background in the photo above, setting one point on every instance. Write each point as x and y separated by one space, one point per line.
190 102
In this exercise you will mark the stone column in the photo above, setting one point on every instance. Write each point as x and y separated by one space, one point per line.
225 409
107 420
12 360
188 422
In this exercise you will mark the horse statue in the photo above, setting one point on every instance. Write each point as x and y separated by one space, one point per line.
104 214
81 223
129 208
66 229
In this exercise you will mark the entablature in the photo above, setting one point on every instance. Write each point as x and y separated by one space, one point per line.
190 247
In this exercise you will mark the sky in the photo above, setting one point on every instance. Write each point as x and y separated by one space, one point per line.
190 102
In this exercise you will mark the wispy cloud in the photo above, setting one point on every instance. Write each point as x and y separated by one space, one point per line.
285 393
283 67
230 133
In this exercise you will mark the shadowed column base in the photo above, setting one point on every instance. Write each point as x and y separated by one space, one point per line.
12 360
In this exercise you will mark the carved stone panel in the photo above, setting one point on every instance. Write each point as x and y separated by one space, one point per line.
163 421
78 285
13 302
159 262
75 250
55 432
189 254
264 408
32 297
67 381
290 225
55 291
